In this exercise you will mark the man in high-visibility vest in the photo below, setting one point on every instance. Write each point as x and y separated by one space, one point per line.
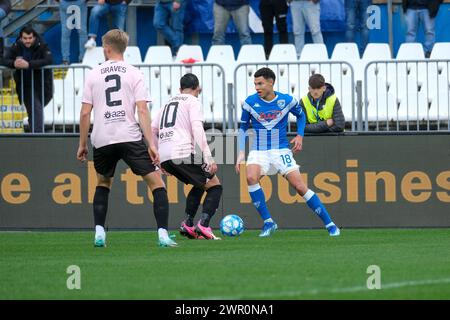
322 107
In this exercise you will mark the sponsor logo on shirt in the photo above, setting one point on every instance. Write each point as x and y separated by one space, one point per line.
270 115
114 116
166 135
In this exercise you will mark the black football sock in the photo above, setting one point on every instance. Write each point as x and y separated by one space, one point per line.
211 204
192 203
100 205
161 208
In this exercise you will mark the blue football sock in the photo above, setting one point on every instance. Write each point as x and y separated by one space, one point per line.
259 201
313 201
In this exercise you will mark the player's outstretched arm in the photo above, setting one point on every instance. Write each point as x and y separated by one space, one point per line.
201 141
85 123
145 123
240 159
242 136
298 143
301 122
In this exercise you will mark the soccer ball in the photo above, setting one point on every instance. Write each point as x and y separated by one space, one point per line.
232 225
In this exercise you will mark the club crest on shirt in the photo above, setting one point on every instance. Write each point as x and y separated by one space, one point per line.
281 104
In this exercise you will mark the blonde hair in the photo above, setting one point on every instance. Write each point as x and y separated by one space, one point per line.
116 39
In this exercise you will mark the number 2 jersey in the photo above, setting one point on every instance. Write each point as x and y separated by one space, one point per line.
113 88
179 128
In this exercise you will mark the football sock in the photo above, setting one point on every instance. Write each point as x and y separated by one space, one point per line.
204 220
211 204
192 203
100 231
314 203
161 207
162 233
268 220
259 201
100 205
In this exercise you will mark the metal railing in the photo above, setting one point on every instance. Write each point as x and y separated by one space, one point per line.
395 95
407 95
163 81
292 78
54 104
61 113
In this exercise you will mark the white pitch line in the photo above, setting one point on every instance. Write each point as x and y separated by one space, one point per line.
393 285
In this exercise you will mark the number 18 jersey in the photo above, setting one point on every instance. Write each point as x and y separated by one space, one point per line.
173 125
113 88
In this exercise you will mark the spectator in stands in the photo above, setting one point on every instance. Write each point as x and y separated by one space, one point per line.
270 9
168 19
118 9
305 11
426 12
5 8
27 55
223 11
356 20
73 14
322 107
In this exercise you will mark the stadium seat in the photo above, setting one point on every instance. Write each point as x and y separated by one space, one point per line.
283 53
187 53
410 51
158 54
64 108
213 95
311 52
314 52
223 55
341 74
286 74
212 83
157 78
413 85
441 50
132 55
373 52
381 95
251 53
380 91
438 83
93 57
254 56
346 51
377 52
439 78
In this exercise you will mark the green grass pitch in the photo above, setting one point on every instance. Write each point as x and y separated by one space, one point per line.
292 264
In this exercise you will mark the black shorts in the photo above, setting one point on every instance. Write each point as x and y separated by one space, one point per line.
135 154
188 171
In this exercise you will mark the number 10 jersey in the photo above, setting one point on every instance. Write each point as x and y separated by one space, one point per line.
173 126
